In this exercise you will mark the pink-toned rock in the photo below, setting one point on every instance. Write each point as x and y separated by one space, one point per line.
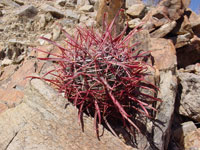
183 26
164 53
194 21
165 12
11 97
3 107
163 30
19 77
7 72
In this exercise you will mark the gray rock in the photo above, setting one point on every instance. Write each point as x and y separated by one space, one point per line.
164 116
183 130
72 14
182 40
27 10
40 122
54 11
190 96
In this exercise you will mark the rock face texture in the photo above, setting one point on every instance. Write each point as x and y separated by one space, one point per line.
41 121
190 98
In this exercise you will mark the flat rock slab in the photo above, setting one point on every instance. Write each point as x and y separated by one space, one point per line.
40 122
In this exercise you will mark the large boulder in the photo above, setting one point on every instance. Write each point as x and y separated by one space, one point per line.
41 122
190 95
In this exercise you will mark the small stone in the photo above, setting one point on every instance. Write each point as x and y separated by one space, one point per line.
136 10
3 107
6 62
182 40
134 22
56 32
27 10
42 21
82 2
54 11
83 18
183 130
129 3
90 22
1 5
87 8
164 30
192 140
72 14
61 2
20 2
43 42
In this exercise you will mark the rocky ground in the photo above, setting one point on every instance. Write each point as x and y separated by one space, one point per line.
34 116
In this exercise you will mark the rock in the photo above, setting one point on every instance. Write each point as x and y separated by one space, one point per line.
90 22
1 14
183 26
182 40
163 30
111 9
193 68
56 32
27 10
192 140
1 5
6 73
194 21
54 11
164 116
129 3
164 53
41 122
9 3
174 8
189 54
72 14
134 22
3 107
185 128
82 2
165 12
20 2
61 2
143 40
42 21
87 8
6 62
136 10
83 18
190 95
43 42
11 97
